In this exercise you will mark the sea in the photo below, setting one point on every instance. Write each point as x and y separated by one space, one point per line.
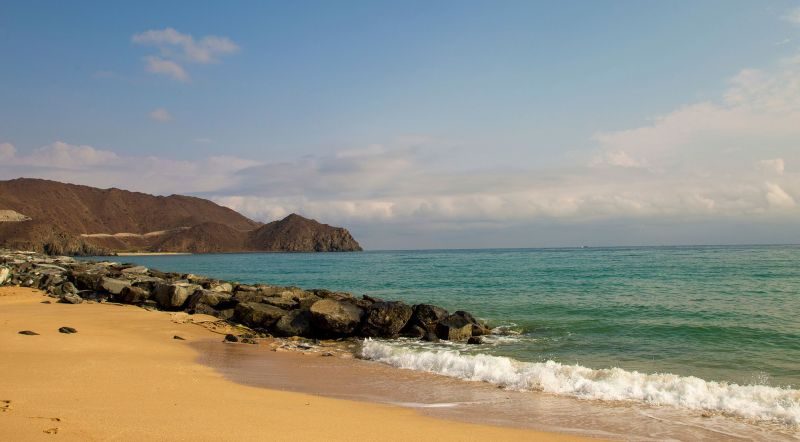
707 329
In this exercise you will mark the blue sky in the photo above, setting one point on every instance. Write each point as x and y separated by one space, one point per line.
423 124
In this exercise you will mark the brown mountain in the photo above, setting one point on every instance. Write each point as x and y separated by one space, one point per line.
53 217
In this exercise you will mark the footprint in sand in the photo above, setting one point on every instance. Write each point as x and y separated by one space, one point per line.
53 430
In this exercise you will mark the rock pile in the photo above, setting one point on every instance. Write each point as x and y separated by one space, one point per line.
267 309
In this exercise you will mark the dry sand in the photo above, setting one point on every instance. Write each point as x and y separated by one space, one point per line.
124 377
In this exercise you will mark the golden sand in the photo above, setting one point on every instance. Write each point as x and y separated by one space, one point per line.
124 377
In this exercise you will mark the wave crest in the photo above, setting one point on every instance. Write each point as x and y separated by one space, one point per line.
757 402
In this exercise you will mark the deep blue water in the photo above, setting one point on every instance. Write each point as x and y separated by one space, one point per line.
720 313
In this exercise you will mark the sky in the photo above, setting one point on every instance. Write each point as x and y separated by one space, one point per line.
447 124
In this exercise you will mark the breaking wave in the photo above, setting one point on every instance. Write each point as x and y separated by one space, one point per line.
758 402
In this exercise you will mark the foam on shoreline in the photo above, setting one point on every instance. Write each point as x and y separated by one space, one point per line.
756 402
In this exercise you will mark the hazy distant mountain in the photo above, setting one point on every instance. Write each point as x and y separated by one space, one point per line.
61 218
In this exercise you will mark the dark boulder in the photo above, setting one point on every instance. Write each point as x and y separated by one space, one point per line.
478 327
334 317
425 317
257 315
67 330
385 319
294 323
133 295
454 328
211 298
231 338
286 303
475 340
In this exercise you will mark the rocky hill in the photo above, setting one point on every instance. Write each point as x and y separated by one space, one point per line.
58 218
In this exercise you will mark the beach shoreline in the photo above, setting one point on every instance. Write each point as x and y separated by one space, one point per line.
122 376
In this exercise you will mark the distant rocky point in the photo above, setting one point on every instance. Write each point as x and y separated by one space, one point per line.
67 219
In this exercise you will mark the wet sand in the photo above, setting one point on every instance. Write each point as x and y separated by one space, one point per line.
476 402
124 377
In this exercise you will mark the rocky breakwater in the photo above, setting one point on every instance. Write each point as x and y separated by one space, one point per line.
265 309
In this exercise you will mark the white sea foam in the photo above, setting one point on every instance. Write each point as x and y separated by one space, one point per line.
757 402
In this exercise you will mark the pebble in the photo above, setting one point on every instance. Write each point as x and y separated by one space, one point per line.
67 330
29 333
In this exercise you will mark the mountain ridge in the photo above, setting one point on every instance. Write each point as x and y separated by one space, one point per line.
63 218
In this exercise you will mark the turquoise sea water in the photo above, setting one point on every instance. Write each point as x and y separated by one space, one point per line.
718 313
703 329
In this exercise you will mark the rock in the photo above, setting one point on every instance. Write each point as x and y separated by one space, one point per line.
63 289
257 315
113 286
414 331
281 302
135 270
247 296
67 330
294 323
222 287
211 298
174 296
5 275
249 341
385 319
178 338
134 295
28 333
424 318
478 327
231 338
333 317
70 298
475 340
87 281
454 328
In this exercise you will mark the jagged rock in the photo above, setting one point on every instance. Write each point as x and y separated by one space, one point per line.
70 298
247 296
222 287
135 270
134 295
294 323
475 340
87 281
454 328
231 338
211 298
257 315
173 296
425 316
430 336
64 289
386 319
478 328
334 317
113 286
281 302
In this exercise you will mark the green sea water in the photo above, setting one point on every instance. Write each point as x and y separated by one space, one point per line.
718 313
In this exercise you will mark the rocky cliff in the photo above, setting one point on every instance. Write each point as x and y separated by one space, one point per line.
58 218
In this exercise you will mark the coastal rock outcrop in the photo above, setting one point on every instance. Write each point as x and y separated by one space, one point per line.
266 309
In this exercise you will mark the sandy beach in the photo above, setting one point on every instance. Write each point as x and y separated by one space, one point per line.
122 376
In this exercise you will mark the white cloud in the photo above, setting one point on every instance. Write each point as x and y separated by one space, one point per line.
176 49
7 151
161 115
157 65
793 16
